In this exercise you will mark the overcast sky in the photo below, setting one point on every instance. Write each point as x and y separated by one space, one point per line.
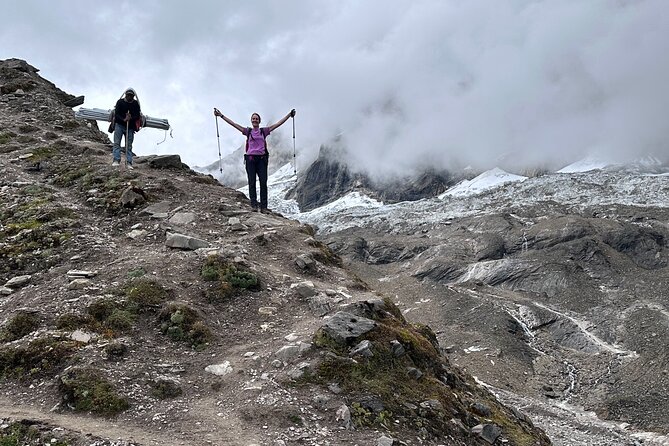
405 83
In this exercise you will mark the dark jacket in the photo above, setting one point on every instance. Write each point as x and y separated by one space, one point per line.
122 107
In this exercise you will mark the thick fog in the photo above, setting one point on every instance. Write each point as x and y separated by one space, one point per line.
403 84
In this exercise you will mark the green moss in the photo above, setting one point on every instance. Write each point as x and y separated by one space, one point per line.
228 278
21 324
145 293
41 357
69 174
103 308
136 273
24 432
182 323
86 390
43 154
325 255
75 321
120 321
5 137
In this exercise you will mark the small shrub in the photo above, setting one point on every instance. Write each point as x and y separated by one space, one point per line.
241 279
166 388
145 293
103 308
120 320
86 390
41 357
182 323
116 350
23 323
74 321
135 273
5 137
209 273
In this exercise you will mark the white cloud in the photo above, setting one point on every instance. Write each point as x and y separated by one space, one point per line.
424 82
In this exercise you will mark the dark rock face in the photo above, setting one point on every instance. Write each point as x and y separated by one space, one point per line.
329 178
325 180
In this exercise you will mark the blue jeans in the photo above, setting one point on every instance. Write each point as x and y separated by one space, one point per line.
119 131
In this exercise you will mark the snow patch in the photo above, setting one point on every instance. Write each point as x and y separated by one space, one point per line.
487 180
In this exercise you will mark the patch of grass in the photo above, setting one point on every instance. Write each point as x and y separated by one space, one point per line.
41 357
26 432
21 324
145 293
326 255
182 323
120 321
136 273
69 174
6 137
227 277
86 390
75 321
31 228
43 154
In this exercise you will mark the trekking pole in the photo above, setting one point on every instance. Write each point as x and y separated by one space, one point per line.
294 159
127 134
218 138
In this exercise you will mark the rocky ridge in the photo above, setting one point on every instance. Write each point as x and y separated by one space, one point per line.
153 307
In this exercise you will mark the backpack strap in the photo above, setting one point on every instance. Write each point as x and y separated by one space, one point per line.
264 137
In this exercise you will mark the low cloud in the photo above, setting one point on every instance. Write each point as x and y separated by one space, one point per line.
404 85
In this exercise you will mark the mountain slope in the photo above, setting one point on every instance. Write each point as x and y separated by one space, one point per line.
155 300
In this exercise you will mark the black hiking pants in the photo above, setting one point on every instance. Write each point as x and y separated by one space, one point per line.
257 165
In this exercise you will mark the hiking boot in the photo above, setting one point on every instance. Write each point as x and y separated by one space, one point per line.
130 167
115 163
265 211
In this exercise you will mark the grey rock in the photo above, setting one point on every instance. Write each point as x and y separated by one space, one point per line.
287 352
166 162
137 233
385 441
414 373
299 371
397 348
132 197
75 273
81 336
183 218
18 281
488 432
364 348
219 369
321 305
432 404
162 207
344 416
481 409
305 262
78 284
181 241
5 291
344 327
304 289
